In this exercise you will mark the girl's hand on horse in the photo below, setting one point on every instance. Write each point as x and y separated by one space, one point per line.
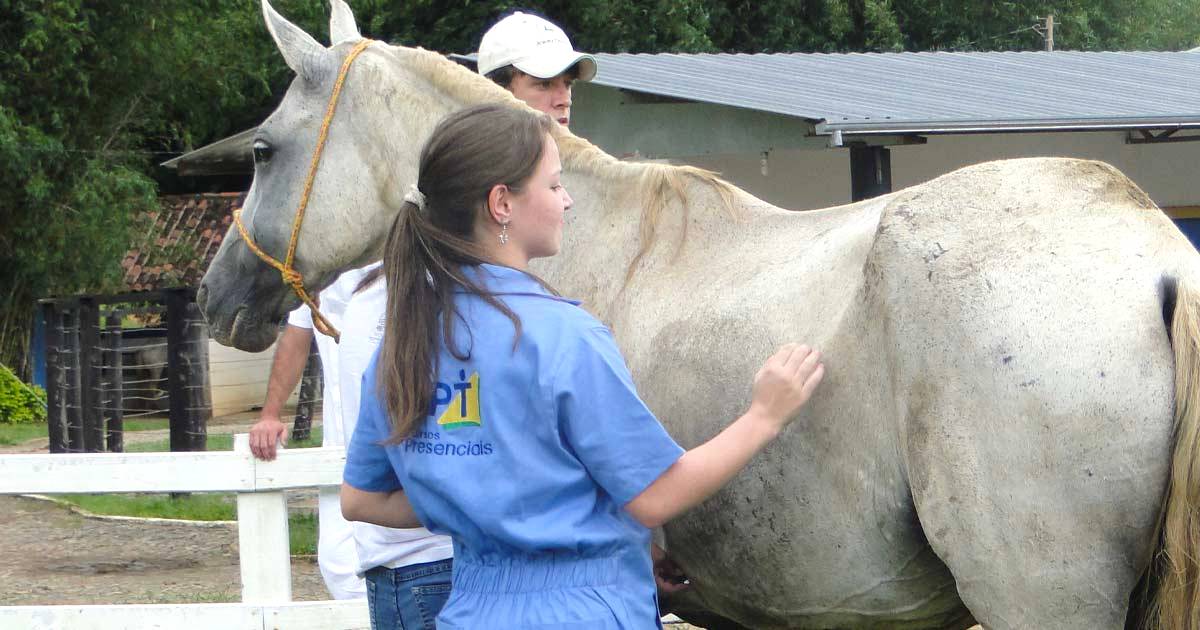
785 383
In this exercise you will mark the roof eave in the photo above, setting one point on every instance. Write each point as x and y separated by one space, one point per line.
925 127
235 149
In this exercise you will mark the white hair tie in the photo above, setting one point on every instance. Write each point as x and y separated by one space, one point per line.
415 197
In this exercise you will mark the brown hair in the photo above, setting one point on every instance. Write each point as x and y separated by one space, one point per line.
470 152
504 75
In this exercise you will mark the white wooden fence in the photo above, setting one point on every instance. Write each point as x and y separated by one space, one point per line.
262 534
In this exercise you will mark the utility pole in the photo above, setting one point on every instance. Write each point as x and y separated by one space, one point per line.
1046 30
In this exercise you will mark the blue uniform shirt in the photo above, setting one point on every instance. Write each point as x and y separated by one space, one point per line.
526 459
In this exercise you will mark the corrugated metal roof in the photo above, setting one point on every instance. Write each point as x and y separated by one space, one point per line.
891 93
930 92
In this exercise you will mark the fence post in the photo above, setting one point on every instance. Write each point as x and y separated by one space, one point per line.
265 558
114 363
311 387
74 399
90 375
52 324
187 372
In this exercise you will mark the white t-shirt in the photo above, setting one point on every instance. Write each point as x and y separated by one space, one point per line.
333 300
362 330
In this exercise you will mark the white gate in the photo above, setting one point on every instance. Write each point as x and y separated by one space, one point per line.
262 534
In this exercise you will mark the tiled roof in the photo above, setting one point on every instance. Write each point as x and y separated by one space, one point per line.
179 241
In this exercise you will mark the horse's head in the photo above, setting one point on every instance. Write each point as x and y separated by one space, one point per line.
384 113
391 99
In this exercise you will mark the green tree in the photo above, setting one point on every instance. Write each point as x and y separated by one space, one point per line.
601 25
917 25
92 95
95 93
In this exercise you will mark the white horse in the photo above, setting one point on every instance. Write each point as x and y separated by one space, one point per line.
994 438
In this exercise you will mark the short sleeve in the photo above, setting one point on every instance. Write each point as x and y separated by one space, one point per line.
367 465
301 317
616 437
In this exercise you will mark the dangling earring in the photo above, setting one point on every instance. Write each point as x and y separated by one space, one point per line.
504 233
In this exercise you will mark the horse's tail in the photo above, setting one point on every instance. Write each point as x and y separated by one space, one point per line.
1174 577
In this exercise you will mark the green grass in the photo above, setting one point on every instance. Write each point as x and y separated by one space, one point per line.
219 442
149 424
12 434
192 507
302 528
302 534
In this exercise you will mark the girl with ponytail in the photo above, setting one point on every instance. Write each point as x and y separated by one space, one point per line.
502 414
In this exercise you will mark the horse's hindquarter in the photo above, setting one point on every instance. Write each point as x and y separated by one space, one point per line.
1034 378
819 529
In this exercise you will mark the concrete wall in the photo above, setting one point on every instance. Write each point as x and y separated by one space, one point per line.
816 178
803 174
238 380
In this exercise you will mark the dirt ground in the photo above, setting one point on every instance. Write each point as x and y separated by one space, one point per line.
49 555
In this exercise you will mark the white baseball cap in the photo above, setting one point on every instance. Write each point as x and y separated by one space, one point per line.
534 46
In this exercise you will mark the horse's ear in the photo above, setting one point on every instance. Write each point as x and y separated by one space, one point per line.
303 54
341 24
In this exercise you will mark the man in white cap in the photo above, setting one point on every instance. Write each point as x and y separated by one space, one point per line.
532 58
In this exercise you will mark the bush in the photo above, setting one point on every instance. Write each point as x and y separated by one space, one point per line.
20 403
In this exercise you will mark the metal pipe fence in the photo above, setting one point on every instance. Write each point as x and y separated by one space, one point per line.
142 356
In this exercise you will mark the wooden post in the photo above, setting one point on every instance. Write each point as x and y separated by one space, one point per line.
52 325
90 376
263 527
114 391
311 387
187 372
870 172
73 399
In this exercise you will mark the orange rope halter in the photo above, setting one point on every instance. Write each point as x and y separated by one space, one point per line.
290 276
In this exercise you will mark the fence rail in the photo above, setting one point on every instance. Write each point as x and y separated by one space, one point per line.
262 533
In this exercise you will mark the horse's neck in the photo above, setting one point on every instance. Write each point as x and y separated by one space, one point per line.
402 112
606 228
599 262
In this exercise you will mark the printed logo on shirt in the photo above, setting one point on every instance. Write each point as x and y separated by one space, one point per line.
461 400
429 443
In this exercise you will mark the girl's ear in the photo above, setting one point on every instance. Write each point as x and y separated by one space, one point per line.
499 203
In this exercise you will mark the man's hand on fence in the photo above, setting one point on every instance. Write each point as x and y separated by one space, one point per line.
264 436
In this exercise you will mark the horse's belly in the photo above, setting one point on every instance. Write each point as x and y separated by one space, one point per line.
795 546
819 530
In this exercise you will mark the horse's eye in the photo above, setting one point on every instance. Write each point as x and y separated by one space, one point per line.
262 152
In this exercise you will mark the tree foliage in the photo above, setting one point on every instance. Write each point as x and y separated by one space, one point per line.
92 96
20 403
95 93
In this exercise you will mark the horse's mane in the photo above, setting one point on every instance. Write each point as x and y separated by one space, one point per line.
658 184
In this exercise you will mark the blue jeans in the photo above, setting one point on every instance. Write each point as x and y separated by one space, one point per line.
408 598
